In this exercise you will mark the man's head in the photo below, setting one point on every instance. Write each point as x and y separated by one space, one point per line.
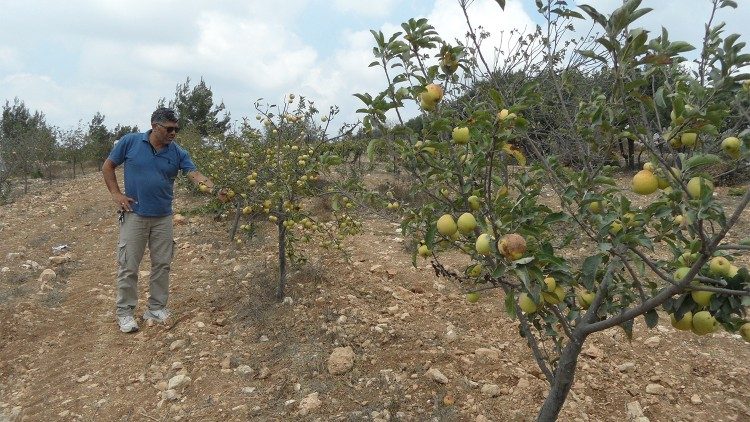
164 125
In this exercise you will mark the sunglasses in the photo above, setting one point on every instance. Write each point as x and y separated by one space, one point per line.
170 129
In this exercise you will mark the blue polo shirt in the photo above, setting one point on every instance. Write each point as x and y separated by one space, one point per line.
150 175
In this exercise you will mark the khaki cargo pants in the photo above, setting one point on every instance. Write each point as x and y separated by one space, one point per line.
136 233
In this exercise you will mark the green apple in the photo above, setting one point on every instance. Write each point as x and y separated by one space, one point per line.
689 139
595 207
550 284
461 135
474 202
472 297
701 297
466 223
720 266
703 323
483 244
680 273
745 331
554 297
696 185
615 227
685 324
585 298
423 251
731 145
446 226
527 304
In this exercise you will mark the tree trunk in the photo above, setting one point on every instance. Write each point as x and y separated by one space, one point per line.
282 260
563 380
237 215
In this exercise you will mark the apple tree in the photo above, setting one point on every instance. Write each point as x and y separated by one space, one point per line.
482 156
276 174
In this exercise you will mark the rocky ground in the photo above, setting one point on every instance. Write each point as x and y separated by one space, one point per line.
370 339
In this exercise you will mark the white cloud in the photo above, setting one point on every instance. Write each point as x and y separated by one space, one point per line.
369 8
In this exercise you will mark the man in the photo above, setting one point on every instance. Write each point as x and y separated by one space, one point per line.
152 161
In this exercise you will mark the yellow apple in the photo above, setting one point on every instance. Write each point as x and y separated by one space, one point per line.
423 251
475 271
689 139
527 304
472 297
615 227
745 331
645 183
446 225
555 296
685 324
433 93
466 223
474 202
460 135
694 186
680 273
203 188
550 284
483 244
701 297
502 114
720 266
703 323
585 298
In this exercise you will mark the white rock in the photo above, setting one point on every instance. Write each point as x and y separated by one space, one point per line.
244 370
696 399
625 367
178 381
652 341
170 395
47 275
309 403
492 390
341 360
437 376
656 389
635 412
177 345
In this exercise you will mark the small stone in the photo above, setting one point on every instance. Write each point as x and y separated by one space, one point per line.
696 399
83 379
341 360
523 383
492 390
625 367
309 403
244 370
593 352
656 389
178 381
47 275
487 355
248 390
170 395
177 345
437 376
653 341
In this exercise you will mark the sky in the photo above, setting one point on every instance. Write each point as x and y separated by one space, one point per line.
75 58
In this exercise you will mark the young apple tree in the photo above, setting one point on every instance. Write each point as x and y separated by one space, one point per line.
495 140
274 173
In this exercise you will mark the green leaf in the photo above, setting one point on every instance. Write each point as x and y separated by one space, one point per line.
501 3
592 55
652 318
627 326
510 304
701 160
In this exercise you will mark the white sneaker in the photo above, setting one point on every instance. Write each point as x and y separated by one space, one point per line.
127 324
159 316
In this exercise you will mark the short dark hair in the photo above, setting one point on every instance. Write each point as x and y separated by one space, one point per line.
163 114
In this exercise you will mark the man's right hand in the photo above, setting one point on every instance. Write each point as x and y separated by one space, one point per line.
122 201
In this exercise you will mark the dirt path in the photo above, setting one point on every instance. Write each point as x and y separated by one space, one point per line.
235 354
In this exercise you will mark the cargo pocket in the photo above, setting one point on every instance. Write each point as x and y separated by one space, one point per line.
121 253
